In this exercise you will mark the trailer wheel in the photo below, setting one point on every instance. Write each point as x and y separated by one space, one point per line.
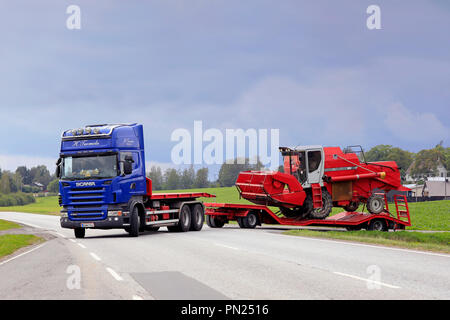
185 221
354 228
240 222
135 222
378 225
79 232
214 222
198 217
250 220
375 203
352 206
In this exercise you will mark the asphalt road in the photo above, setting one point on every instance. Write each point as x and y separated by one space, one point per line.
228 263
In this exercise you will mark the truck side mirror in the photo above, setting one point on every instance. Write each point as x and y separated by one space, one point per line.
58 168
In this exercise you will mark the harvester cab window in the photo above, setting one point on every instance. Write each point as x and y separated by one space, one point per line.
314 158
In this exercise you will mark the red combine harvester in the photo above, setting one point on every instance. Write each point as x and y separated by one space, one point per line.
315 179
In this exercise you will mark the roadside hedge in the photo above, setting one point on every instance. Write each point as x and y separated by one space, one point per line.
15 199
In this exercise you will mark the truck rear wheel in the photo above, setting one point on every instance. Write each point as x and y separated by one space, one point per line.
375 203
79 232
197 217
184 221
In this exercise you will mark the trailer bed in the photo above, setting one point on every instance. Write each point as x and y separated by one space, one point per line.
229 211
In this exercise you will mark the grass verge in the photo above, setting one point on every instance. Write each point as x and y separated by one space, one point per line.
6 225
43 205
432 241
12 242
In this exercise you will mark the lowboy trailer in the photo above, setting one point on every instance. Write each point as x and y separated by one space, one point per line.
249 216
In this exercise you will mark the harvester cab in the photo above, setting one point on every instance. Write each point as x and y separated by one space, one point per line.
306 163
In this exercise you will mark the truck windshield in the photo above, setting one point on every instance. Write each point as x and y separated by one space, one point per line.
89 167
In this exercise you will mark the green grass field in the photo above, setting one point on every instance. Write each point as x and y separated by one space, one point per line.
433 241
6 225
433 215
12 242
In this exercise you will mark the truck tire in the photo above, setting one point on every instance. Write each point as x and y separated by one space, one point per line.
197 217
327 205
214 222
184 221
135 222
375 204
79 232
352 206
251 220
377 225
240 222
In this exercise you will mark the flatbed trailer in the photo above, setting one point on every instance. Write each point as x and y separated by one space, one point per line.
249 216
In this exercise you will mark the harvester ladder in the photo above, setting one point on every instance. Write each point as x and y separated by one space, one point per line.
401 205
316 195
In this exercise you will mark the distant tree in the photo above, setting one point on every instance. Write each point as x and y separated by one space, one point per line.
53 186
171 179
229 172
201 178
384 152
26 174
156 176
187 178
427 161
41 175
5 184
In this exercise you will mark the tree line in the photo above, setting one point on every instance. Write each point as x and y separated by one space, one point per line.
39 178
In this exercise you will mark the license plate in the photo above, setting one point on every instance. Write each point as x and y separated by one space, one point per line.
87 225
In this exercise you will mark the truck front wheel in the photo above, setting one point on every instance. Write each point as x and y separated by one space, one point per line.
79 232
134 223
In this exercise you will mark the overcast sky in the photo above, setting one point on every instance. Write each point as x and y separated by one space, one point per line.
309 68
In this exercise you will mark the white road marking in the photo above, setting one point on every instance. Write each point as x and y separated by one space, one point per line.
225 246
72 240
367 280
135 297
22 254
81 245
114 274
61 235
366 245
96 257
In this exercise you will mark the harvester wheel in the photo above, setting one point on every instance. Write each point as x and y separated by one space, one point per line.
352 206
375 203
327 205
250 220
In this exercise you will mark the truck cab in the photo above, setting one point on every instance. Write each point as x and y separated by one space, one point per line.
103 184
101 169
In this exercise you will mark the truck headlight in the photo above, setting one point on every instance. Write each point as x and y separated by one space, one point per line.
64 215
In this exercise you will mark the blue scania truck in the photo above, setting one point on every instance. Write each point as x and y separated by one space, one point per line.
103 185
